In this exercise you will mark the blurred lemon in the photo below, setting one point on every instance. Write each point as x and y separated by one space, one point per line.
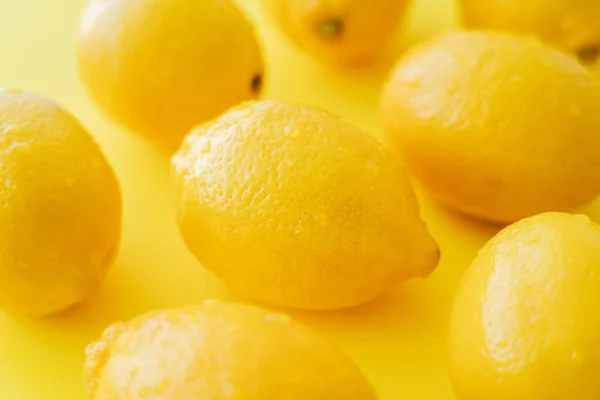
495 125
571 24
60 219
348 32
160 67
219 351
526 316
298 208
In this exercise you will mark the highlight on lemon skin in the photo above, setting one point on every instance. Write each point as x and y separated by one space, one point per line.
525 320
496 125
224 351
160 67
60 220
294 206
346 33
571 25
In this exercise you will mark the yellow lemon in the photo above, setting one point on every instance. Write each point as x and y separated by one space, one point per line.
495 125
298 208
160 67
571 24
219 351
347 32
60 219
526 316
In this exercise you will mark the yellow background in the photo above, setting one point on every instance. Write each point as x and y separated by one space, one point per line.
399 340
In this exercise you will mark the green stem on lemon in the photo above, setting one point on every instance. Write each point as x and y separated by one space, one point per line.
588 55
331 28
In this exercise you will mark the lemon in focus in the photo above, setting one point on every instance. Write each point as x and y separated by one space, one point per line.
495 125
570 24
345 32
220 351
298 208
60 219
526 316
160 67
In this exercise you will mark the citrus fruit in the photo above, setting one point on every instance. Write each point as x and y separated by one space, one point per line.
219 351
495 125
345 32
526 316
298 208
570 24
160 67
60 219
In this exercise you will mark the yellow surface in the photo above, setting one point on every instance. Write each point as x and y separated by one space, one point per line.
399 340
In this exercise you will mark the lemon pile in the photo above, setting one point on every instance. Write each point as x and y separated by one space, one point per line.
61 208
349 33
494 125
159 67
525 320
219 351
298 208
569 24
335 212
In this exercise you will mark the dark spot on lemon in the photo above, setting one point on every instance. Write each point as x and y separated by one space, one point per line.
589 55
331 28
257 83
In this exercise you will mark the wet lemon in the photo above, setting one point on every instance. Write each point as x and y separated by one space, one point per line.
298 208
571 24
526 316
160 67
219 351
496 125
347 32
60 219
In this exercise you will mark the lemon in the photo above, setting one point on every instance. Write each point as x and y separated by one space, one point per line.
159 67
60 219
293 206
219 351
570 24
345 32
495 125
526 317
